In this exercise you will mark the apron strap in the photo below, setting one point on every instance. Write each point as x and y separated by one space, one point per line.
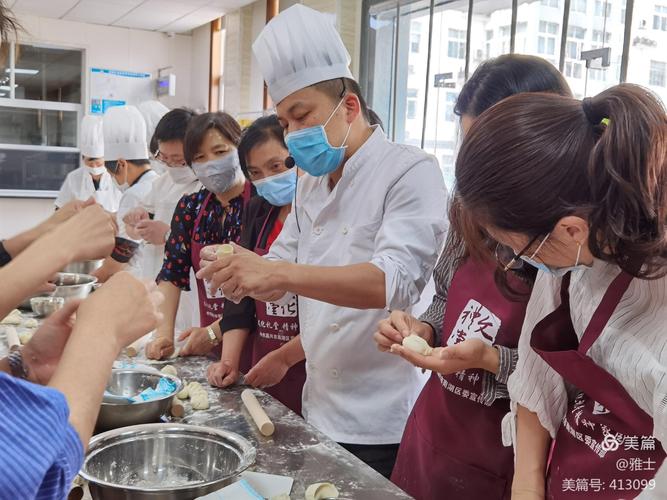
607 306
260 237
202 209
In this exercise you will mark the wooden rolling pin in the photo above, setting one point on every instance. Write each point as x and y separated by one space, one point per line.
13 341
257 413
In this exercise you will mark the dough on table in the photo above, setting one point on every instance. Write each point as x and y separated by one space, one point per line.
184 394
193 387
417 344
199 401
170 370
282 496
31 323
13 318
318 491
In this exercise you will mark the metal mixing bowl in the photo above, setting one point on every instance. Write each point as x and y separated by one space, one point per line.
130 382
164 461
71 286
83 267
46 306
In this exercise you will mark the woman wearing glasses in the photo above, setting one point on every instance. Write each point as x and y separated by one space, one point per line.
452 445
579 190
151 222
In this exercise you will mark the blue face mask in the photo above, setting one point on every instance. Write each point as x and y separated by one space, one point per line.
311 150
558 272
278 189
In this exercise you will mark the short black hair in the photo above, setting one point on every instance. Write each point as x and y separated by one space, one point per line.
374 119
508 75
113 164
200 124
260 132
172 126
338 87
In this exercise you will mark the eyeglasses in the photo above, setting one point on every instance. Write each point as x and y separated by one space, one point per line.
163 159
510 260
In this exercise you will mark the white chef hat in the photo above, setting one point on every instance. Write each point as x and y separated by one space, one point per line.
298 48
92 138
152 111
124 134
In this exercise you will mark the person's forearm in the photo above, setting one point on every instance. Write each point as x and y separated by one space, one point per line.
232 345
532 449
30 269
82 374
169 308
292 352
360 286
108 269
16 244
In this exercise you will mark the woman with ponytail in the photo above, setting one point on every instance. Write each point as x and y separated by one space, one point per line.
578 189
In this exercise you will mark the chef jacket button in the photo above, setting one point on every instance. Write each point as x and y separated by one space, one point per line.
335 327
345 230
334 373
318 230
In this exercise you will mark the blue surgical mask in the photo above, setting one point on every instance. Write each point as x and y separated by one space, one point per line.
558 272
311 150
278 189
219 175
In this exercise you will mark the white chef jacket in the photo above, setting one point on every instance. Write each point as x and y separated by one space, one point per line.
78 185
161 201
132 198
389 209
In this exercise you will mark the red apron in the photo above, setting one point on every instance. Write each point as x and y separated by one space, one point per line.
603 448
211 303
452 445
277 325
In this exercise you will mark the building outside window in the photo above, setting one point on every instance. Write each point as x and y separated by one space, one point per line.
657 73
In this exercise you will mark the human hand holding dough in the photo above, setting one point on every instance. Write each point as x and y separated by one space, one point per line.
417 344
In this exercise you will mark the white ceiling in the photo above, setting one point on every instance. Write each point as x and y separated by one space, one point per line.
176 16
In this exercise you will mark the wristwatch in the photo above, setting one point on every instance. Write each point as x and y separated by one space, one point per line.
212 337
16 365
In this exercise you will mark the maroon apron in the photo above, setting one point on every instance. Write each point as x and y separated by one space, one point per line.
452 445
603 448
211 303
277 325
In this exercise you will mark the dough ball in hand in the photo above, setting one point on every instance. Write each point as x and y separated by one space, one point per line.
417 344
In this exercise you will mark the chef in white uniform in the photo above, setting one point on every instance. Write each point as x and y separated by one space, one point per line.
152 220
91 178
126 159
368 222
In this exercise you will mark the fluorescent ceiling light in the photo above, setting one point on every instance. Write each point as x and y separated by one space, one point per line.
23 71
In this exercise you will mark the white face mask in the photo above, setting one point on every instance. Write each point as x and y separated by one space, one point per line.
95 170
121 187
181 175
219 175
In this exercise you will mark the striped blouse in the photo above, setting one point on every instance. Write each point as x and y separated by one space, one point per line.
633 347
40 452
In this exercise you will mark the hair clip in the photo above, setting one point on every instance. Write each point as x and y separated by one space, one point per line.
605 122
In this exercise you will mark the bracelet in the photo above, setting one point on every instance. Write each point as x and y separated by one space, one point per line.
16 365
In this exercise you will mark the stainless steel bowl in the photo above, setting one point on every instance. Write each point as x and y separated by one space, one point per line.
83 267
46 306
71 286
130 382
164 461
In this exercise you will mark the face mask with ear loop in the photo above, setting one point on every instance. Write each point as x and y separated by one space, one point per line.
113 167
558 272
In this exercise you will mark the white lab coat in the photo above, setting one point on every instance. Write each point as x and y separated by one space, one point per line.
133 198
78 185
161 201
389 209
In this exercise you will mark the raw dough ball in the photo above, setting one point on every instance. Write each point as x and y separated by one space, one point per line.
417 344
184 394
200 401
170 370
193 387
25 337
318 491
13 318
31 323
282 496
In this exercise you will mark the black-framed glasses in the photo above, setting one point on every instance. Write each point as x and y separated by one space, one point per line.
510 260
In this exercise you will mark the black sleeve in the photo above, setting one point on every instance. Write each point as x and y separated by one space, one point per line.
241 315
4 255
